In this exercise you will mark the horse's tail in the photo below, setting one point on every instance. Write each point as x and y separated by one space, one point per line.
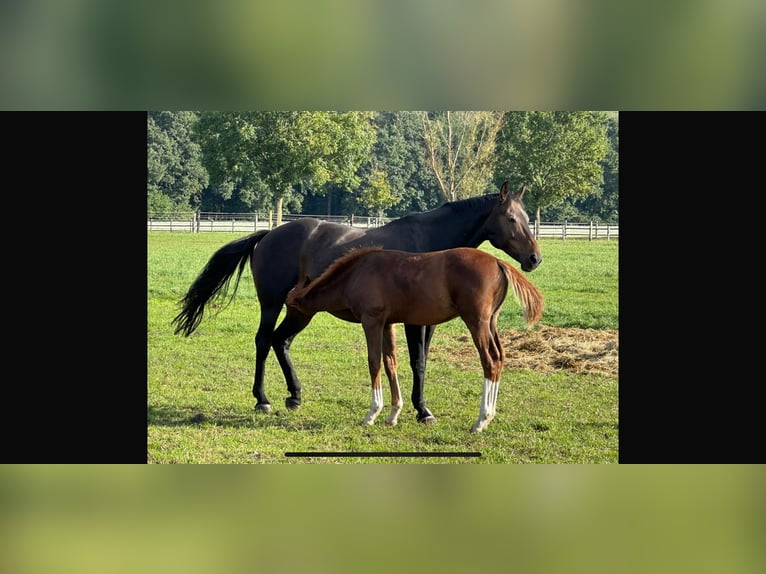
525 293
213 281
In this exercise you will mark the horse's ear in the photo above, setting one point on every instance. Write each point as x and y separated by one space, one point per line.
503 191
520 193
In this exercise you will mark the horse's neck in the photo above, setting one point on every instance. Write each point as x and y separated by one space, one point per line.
448 227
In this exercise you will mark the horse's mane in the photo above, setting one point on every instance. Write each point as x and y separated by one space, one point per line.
336 266
459 206
471 203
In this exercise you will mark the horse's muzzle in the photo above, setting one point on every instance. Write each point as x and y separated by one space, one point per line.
532 262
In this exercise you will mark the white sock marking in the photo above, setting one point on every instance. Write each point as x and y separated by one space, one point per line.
396 408
488 405
376 405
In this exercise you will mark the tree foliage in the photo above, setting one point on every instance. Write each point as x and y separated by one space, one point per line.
175 174
460 149
397 173
376 194
381 163
278 151
558 155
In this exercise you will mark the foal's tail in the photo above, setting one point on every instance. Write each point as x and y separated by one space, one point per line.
213 281
525 293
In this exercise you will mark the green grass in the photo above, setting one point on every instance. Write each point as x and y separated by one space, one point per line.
200 406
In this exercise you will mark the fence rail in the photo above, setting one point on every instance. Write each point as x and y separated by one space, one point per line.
249 222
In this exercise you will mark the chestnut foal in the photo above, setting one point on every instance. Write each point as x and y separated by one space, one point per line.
378 288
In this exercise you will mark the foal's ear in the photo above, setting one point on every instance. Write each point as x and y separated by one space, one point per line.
503 190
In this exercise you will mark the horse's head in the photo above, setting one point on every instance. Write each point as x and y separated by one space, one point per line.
507 228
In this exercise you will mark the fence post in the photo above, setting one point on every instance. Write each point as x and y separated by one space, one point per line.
590 231
564 230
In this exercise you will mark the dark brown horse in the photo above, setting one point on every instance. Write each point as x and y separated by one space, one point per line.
289 254
378 288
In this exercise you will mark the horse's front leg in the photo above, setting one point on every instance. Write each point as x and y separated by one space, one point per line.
390 365
418 343
373 331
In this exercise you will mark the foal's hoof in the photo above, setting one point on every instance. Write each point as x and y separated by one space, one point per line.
264 408
292 404
427 420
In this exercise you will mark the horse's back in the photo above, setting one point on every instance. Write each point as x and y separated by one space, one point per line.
459 281
299 248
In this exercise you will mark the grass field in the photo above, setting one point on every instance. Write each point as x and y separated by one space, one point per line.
200 406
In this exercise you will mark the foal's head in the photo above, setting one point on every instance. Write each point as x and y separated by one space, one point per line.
507 228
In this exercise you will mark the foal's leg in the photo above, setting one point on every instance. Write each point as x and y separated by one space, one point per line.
418 343
373 332
490 350
390 364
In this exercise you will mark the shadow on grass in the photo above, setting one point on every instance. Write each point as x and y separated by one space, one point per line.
192 416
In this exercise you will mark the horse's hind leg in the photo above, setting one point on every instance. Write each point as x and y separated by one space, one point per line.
418 343
390 365
293 323
487 342
269 316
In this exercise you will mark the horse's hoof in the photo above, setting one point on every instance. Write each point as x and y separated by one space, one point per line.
292 404
427 420
479 426
264 408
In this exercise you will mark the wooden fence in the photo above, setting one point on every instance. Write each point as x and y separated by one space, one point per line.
249 222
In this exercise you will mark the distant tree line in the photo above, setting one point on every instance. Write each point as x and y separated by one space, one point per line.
381 163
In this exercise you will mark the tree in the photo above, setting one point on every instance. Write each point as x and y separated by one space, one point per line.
460 148
609 204
283 150
174 161
377 195
400 152
558 155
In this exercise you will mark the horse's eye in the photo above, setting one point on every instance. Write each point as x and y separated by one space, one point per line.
511 219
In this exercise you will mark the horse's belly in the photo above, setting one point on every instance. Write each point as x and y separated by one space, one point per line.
418 314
